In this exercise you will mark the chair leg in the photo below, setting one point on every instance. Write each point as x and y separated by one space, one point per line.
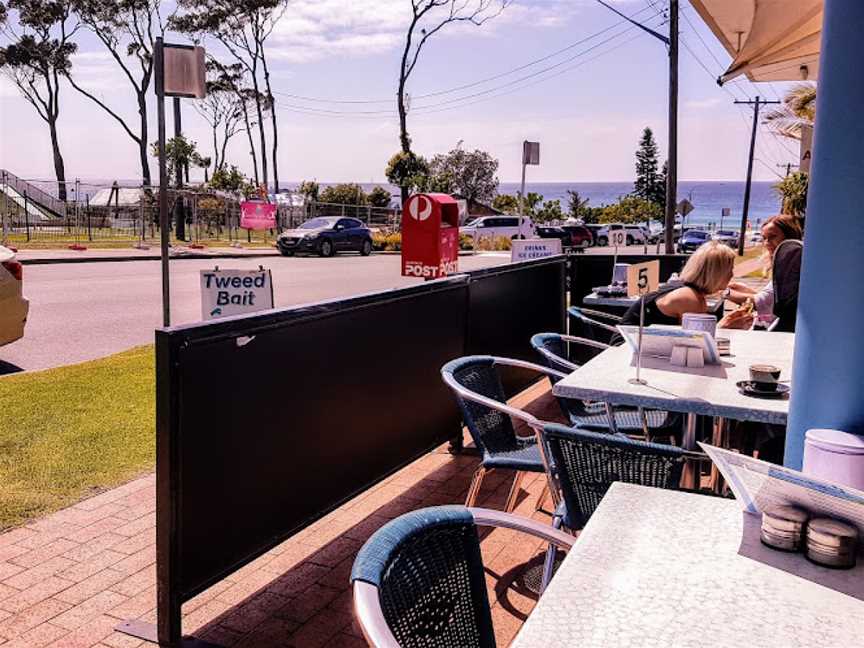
551 554
514 491
543 494
474 488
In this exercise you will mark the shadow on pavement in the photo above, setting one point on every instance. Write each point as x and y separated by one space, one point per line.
9 368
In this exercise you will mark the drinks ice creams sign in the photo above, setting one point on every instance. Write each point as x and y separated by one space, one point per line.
235 292
257 215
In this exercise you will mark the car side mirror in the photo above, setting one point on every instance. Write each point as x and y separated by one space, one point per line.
339 228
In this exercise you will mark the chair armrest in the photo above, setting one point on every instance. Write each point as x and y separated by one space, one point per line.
595 313
489 517
510 362
367 608
586 341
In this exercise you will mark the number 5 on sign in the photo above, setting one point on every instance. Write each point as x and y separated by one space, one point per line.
643 278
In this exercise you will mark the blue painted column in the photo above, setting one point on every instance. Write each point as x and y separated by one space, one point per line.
828 375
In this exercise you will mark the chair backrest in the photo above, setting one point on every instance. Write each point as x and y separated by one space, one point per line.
491 429
553 350
786 275
584 325
588 463
429 573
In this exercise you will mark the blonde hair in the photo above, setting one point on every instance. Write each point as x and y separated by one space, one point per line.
708 269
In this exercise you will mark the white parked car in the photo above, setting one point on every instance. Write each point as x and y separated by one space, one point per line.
13 305
495 226
634 233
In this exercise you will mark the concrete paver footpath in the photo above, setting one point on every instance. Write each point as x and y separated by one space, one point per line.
68 579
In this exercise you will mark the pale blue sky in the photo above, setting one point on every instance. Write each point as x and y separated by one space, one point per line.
588 118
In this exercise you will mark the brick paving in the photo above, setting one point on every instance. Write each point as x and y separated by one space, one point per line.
68 579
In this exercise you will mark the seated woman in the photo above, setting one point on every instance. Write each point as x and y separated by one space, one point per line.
708 270
775 231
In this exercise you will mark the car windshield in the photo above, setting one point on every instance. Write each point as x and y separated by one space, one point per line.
725 233
318 223
697 234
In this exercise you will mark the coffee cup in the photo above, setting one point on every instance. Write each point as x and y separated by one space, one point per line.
764 377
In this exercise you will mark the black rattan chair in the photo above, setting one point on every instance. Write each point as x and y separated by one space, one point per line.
419 581
588 463
594 325
556 350
481 397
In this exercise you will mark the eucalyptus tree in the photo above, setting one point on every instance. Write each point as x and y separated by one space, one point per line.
428 17
242 27
128 30
225 108
36 56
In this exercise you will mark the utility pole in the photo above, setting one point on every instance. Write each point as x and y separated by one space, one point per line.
745 212
672 154
788 166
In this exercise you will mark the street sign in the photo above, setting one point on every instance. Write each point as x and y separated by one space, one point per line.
617 238
643 278
527 249
684 207
725 212
531 153
235 292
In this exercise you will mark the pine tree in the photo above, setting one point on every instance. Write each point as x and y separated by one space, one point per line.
649 184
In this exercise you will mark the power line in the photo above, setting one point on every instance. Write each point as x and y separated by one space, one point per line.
458 100
474 83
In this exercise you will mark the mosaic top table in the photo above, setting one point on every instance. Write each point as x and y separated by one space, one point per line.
663 568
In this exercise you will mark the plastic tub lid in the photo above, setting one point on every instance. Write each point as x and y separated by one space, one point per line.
835 441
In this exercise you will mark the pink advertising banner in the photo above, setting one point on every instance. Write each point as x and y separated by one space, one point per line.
257 215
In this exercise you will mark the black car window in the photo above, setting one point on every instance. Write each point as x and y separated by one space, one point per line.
353 223
509 222
345 223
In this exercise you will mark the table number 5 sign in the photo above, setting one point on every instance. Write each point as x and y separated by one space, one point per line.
643 278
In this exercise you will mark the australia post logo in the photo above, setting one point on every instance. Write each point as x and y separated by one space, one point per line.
420 208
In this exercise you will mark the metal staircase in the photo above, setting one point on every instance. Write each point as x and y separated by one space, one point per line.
29 196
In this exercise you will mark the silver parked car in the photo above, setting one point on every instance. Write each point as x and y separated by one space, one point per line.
728 237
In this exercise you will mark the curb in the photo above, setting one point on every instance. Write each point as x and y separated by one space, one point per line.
148 257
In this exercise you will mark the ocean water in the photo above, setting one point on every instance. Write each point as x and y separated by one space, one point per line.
708 197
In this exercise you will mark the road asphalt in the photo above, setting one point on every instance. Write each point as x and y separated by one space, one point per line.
83 311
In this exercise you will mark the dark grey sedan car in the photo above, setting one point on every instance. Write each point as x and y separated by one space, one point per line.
326 236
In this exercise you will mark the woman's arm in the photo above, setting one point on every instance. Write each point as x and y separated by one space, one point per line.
763 301
680 301
739 292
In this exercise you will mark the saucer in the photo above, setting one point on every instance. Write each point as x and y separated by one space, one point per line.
747 388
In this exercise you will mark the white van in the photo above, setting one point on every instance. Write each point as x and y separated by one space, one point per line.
495 226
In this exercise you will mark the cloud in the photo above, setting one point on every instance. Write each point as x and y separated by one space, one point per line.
319 29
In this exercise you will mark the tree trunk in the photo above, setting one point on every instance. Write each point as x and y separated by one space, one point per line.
215 148
59 166
273 122
143 143
260 128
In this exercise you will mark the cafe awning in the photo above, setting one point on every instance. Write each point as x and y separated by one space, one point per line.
768 40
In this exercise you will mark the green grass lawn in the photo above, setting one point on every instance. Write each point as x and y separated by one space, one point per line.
73 431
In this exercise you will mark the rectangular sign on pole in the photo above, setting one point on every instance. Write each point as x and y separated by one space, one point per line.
257 215
527 249
531 153
185 72
235 292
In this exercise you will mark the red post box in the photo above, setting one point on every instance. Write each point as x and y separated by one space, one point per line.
430 236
